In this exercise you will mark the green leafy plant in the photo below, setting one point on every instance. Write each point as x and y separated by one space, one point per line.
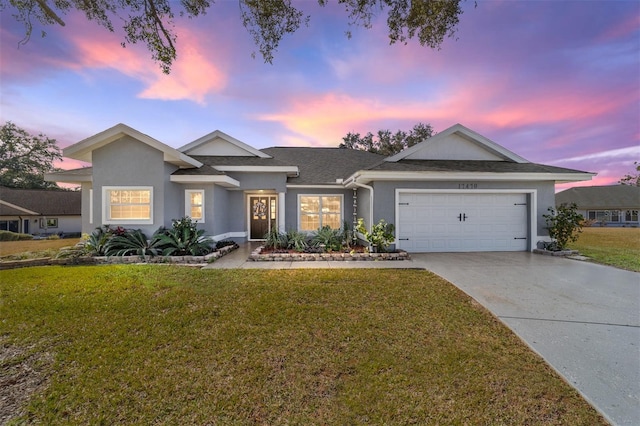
132 242
348 234
330 239
381 235
13 236
96 242
564 225
275 239
297 240
184 239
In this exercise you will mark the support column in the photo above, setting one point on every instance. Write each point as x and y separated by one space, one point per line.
281 210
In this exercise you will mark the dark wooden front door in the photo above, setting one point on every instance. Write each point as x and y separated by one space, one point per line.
263 216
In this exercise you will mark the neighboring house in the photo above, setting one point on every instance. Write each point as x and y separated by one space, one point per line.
456 191
40 211
616 205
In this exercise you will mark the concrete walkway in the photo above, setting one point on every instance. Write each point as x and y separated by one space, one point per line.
582 318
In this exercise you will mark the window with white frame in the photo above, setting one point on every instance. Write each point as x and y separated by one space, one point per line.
194 204
316 211
631 215
604 215
130 205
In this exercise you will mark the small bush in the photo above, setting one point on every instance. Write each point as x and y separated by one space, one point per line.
184 239
14 236
275 239
564 224
225 243
330 239
297 240
381 235
53 237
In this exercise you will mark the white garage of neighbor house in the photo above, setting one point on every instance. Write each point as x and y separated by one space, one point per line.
456 191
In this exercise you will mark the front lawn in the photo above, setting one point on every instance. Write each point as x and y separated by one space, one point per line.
619 247
170 345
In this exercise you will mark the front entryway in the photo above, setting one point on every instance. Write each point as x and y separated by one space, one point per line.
462 222
263 215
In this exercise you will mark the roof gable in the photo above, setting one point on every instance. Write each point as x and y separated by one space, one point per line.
457 143
83 150
218 143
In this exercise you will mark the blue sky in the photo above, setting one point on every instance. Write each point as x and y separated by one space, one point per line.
557 82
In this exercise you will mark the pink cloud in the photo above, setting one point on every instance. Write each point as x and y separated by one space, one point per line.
192 77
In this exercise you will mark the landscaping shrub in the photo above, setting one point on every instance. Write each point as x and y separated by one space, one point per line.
381 235
225 243
296 240
96 242
275 240
184 239
330 239
14 236
564 225
133 242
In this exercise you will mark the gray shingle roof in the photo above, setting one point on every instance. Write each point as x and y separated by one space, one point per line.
44 202
601 197
323 165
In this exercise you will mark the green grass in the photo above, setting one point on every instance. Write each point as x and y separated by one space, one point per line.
172 345
619 247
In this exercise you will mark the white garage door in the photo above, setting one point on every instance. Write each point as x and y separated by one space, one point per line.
447 222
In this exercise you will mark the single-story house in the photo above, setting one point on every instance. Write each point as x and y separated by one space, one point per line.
615 205
456 191
40 211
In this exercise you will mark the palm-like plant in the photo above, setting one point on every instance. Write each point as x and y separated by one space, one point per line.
132 242
331 239
184 239
97 241
297 240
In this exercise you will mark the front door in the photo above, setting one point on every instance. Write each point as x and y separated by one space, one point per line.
263 215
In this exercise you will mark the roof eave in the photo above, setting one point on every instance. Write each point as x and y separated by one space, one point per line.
366 176
222 180
67 178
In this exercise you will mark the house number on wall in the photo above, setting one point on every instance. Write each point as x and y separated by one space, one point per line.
467 186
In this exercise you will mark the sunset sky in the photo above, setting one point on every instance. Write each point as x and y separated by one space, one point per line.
557 82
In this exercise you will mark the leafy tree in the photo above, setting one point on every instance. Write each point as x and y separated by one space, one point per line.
267 21
387 143
633 178
24 158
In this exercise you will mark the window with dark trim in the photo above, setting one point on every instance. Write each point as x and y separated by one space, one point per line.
48 223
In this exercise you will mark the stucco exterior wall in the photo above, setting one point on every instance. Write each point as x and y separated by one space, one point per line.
128 162
88 224
260 181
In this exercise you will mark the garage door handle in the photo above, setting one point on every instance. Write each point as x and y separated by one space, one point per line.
519 238
403 239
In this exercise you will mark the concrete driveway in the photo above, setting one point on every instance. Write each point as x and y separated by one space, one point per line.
582 318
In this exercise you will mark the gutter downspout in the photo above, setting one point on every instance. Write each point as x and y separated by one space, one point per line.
370 188
352 182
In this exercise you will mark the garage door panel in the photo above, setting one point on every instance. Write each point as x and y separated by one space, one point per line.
462 222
